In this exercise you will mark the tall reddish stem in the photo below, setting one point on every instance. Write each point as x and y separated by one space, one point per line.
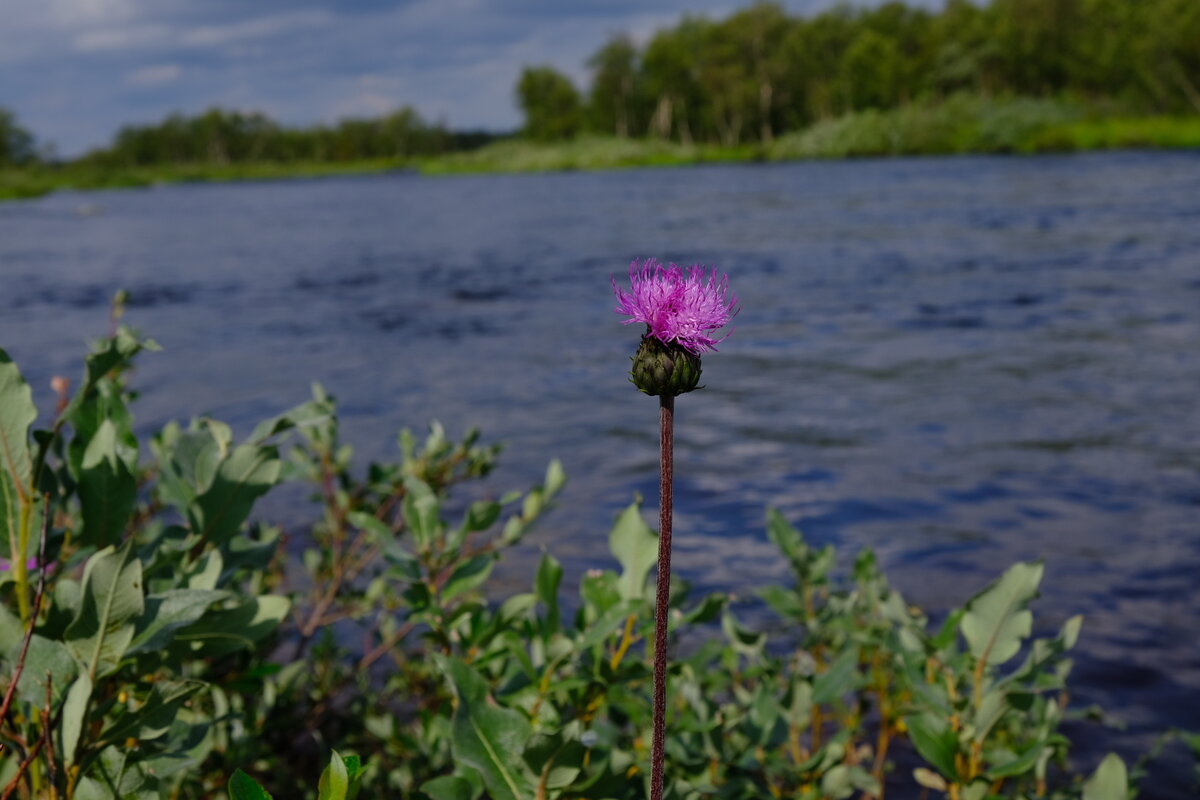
665 492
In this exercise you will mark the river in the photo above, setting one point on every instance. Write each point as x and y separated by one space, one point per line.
959 362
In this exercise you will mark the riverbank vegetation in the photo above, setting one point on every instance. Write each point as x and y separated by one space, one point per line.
159 638
1002 76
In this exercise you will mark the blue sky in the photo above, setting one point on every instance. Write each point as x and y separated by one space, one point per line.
76 70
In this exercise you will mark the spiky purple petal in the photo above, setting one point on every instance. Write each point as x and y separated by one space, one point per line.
679 307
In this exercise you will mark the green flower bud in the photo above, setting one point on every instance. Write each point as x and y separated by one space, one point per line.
664 369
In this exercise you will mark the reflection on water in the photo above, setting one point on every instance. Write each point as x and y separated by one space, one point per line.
959 362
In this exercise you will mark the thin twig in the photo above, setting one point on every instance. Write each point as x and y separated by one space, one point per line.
50 724
10 693
382 649
663 595
51 766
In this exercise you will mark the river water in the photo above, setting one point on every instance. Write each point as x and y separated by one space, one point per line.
959 362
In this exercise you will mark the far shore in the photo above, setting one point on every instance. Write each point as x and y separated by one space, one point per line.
1023 126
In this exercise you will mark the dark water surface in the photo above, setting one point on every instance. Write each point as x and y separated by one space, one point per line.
958 362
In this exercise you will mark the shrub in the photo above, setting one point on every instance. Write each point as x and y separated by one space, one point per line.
171 639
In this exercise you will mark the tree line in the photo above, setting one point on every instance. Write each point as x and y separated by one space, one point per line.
17 145
748 77
760 72
219 136
228 137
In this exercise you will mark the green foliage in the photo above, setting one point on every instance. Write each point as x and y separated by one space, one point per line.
551 104
126 657
16 144
177 641
341 780
613 99
233 137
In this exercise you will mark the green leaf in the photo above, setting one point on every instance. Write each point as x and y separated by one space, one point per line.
996 620
936 743
119 770
335 780
787 539
188 463
12 633
156 715
305 415
487 737
929 779
447 787
45 658
706 610
354 773
480 516
421 511
112 600
74 713
107 489
839 678
205 574
243 787
635 546
244 476
787 603
599 591
843 780
549 576
1019 765
383 536
605 624
1109 782
467 576
240 479
743 640
169 611
555 478
17 413
227 630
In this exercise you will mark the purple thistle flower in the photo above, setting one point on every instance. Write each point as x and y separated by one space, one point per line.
678 307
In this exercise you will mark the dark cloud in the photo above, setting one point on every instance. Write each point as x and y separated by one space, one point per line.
75 70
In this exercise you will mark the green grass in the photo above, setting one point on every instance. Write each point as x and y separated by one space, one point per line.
587 152
973 124
35 181
1117 133
959 124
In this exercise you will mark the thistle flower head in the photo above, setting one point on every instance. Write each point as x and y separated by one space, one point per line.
678 307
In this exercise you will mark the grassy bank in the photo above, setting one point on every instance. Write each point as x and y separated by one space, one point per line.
960 124
969 124
36 181
584 153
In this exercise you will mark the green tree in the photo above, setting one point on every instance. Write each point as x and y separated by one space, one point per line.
672 67
17 146
759 33
871 71
551 104
963 56
613 101
1170 55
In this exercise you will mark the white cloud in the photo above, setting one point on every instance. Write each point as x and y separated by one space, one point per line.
154 75
122 39
259 28
74 13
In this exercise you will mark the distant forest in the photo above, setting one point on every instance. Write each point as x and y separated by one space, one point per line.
749 78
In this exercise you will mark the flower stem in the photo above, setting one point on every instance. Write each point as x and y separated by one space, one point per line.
666 471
